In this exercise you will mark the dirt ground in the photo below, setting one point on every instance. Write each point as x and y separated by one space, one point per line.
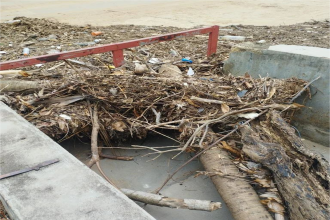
185 14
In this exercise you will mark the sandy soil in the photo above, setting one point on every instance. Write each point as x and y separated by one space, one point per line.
170 12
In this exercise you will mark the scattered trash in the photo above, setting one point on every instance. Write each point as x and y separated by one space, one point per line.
13 22
248 115
190 72
97 41
39 65
3 52
59 48
53 51
85 43
10 45
26 51
186 60
155 61
235 38
65 116
97 33
174 53
261 41
52 37
242 93
113 91
200 110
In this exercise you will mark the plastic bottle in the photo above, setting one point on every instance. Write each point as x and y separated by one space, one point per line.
26 51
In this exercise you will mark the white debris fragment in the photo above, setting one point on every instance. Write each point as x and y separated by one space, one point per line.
190 72
65 116
248 115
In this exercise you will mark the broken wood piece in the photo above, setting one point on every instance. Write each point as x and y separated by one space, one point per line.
13 73
303 89
206 100
116 157
62 101
158 200
80 63
301 176
239 196
36 168
95 151
19 85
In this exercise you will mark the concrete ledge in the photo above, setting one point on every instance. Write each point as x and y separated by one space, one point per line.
286 61
65 190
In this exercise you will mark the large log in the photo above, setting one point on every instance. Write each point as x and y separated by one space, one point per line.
241 199
302 177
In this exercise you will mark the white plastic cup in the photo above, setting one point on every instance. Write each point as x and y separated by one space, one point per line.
26 51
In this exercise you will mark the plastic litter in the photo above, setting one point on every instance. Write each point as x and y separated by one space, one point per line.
65 116
190 72
242 93
186 60
154 61
85 43
97 41
97 33
39 65
10 45
26 51
248 115
174 53
261 42
53 51
52 37
229 37
3 52
13 22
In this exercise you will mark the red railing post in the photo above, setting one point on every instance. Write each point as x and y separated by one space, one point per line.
118 57
213 41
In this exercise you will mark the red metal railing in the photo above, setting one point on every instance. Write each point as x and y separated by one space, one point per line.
116 48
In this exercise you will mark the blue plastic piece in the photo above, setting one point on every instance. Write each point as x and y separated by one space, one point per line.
186 60
242 93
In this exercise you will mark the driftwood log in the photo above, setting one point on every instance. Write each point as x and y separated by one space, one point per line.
241 199
158 200
302 177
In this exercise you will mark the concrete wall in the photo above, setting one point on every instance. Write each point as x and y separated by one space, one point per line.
65 190
286 61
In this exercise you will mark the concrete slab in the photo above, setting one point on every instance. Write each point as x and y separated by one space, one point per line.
65 190
285 61
145 174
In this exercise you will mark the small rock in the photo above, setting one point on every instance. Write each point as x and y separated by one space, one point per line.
140 69
170 71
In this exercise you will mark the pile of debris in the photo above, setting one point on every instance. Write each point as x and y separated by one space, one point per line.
241 120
